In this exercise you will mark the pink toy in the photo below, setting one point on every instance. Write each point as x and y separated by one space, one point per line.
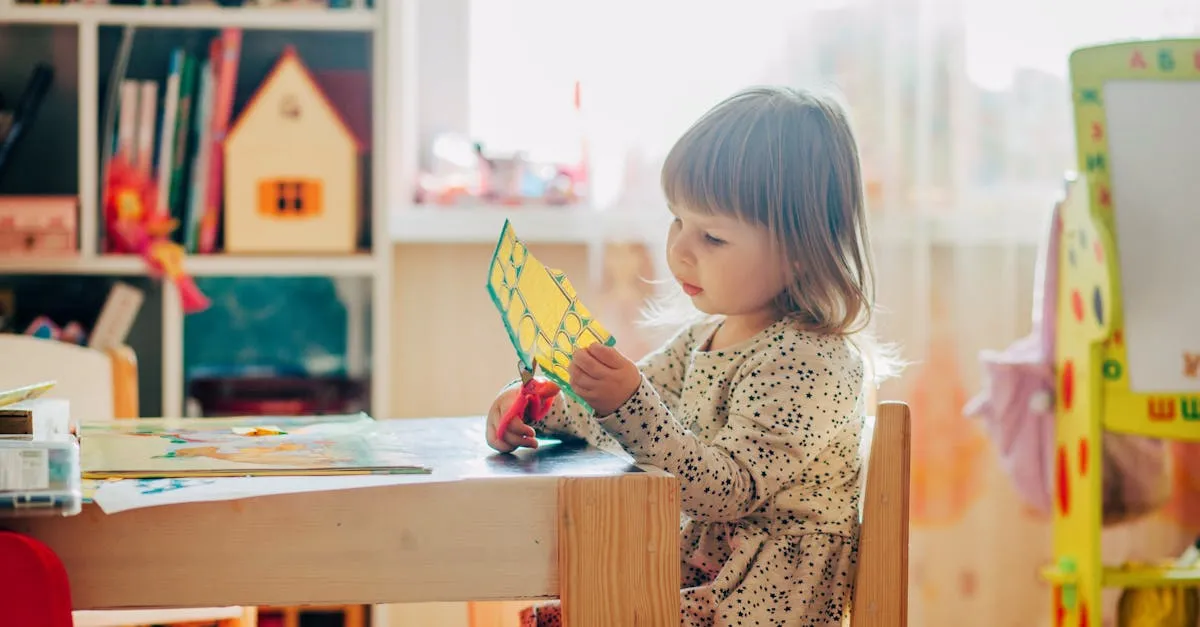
1017 409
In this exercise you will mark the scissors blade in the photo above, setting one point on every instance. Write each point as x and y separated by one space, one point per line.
525 371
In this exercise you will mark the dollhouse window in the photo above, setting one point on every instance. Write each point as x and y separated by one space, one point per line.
289 198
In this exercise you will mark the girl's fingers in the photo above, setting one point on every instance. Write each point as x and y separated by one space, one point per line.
586 363
516 440
500 444
604 355
520 429
578 376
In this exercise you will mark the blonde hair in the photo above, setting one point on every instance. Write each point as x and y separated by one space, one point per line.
787 160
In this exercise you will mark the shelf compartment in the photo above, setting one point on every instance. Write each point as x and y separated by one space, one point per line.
46 160
198 17
80 298
340 63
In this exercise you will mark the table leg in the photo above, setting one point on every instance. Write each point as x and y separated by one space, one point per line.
618 551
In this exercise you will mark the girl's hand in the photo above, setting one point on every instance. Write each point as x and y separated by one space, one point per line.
517 434
604 378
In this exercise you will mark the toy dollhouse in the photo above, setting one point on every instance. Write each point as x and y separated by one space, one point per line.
292 179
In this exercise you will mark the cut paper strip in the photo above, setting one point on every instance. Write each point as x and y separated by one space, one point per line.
544 318
28 392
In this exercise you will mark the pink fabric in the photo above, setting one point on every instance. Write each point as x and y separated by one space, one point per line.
1017 410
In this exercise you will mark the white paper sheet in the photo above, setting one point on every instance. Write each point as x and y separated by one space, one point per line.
1153 132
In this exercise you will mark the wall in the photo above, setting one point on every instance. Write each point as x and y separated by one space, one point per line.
450 351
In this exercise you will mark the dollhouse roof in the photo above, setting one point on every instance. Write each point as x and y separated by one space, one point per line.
291 58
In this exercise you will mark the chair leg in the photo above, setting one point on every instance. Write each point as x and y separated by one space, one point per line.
354 616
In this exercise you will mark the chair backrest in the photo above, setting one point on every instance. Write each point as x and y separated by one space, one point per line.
100 385
881 579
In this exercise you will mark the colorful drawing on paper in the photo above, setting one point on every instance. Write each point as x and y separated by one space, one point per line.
230 447
544 318
159 486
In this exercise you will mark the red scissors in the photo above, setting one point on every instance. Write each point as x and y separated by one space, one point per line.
533 401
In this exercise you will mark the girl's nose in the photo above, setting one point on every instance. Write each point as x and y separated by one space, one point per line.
681 252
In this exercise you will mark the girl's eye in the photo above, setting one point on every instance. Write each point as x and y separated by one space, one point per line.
713 240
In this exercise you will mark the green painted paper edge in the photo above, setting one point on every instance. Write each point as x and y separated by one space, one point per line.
512 335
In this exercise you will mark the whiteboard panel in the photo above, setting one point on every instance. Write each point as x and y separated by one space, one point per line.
1153 130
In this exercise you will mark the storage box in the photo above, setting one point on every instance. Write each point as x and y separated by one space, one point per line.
38 226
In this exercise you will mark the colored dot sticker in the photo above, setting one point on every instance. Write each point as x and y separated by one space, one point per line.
1083 614
1111 369
1067 384
1098 305
1083 456
1061 480
1099 251
1077 305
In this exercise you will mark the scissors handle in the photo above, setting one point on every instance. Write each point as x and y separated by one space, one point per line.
532 402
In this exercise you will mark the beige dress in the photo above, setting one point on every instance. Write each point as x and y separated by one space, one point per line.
764 437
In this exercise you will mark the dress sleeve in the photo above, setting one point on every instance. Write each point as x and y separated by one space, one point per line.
663 369
784 410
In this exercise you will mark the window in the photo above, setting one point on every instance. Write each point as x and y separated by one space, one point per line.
290 198
951 114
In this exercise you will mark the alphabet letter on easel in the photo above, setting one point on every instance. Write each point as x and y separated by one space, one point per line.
1191 365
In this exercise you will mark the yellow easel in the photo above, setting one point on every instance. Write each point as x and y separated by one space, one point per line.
1093 379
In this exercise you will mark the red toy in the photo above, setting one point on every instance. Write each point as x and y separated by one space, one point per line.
34 590
533 401
135 226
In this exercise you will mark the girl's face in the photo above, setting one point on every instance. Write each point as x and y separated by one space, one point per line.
726 266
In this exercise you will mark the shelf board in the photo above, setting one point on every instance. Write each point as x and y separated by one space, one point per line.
482 224
1141 576
1149 576
195 17
363 265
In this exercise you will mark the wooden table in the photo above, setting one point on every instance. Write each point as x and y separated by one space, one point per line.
565 521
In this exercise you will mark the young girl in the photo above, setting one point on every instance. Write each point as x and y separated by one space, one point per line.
757 404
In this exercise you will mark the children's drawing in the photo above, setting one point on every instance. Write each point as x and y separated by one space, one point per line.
540 309
219 447
159 486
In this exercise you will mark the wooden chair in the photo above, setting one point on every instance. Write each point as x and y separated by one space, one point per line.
101 386
881 581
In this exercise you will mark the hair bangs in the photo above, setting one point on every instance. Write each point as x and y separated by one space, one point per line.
717 165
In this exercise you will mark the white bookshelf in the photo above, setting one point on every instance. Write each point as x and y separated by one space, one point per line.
373 267
352 20
363 265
